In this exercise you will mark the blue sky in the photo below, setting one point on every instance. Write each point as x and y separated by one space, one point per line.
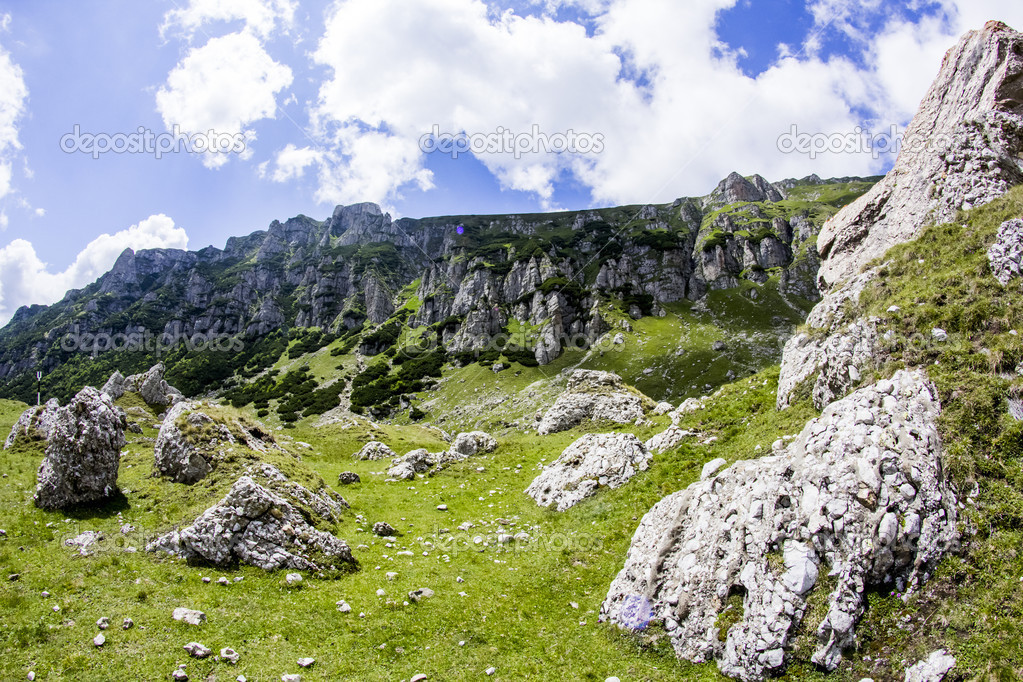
332 98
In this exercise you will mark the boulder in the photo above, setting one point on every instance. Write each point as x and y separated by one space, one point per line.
35 423
417 461
472 443
599 396
262 521
961 150
934 668
859 496
83 452
592 462
375 450
1006 254
348 478
668 439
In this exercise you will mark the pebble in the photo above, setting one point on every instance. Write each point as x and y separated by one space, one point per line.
491 670
291 678
189 616
391 575
180 675
128 624
223 581
206 579
197 650
31 676
343 606
230 655
306 662
419 678
381 593
103 623
99 640
293 578
442 507
459 579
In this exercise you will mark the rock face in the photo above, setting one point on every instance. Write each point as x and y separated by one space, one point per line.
599 396
837 351
1006 254
151 385
263 522
191 442
34 423
374 450
83 452
594 461
859 497
961 150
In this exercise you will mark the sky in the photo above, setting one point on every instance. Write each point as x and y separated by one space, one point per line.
180 123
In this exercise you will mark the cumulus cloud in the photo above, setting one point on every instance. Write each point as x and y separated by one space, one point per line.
259 16
223 86
27 280
675 110
13 94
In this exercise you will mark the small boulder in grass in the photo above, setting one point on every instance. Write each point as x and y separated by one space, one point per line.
189 616
384 530
306 662
230 655
348 478
293 578
197 650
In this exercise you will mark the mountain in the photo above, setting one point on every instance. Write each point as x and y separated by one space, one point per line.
457 282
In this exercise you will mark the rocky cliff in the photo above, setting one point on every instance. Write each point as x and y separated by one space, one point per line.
470 276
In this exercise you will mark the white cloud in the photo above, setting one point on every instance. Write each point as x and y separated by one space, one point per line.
260 16
26 280
224 86
292 161
13 94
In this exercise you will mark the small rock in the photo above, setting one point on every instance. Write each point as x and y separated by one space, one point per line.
14 577
128 624
103 623
384 530
99 640
419 678
197 650
223 581
348 478
491 670
31 676
293 578
343 606
391 575
291 678
188 616
442 507
206 579
421 593
230 655
306 662
381 593
179 675
939 334
712 467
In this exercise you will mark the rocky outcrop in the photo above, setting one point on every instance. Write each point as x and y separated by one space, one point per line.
961 150
835 351
264 521
83 452
374 450
668 439
35 423
151 385
595 461
592 395
417 461
1006 254
191 442
859 498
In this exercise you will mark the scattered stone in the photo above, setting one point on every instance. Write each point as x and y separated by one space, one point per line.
128 624
421 593
932 669
764 528
490 671
291 678
419 678
442 507
84 541
348 478
472 443
223 581
179 675
14 577
262 524
939 335
1006 254
230 655
384 530
592 395
99 640
391 575
343 606
719 346
189 616
197 650
103 623
306 662
83 452
712 467
592 462
293 578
